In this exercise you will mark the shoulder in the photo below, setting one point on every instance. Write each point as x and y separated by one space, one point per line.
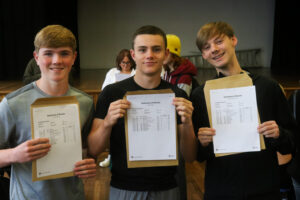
113 71
178 92
17 93
83 98
118 89
265 84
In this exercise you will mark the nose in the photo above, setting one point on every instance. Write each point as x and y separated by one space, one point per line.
57 59
150 54
214 48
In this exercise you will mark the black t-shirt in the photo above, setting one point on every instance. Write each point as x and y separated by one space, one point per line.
137 179
250 174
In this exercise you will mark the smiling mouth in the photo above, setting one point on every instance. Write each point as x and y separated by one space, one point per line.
218 56
56 69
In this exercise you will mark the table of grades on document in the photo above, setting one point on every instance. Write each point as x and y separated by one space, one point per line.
235 118
151 127
61 125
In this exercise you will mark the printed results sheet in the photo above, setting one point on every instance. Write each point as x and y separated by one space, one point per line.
61 125
235 118
151 123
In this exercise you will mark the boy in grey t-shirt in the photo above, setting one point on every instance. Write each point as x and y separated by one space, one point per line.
55 53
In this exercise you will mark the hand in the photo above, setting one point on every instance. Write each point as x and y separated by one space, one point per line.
184 109
205 135
269 129
31 150
85 168
116 110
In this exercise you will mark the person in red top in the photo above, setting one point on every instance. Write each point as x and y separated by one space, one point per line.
178 71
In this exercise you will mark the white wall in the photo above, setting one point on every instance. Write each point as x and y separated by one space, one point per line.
106 26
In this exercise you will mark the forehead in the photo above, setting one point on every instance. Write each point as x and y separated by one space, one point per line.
148 40
56 49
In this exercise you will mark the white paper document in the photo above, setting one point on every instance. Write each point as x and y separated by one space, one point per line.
235 119
121 77
151 127
61 125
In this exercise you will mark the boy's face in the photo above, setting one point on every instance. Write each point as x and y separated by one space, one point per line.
149 52
219 50
55 63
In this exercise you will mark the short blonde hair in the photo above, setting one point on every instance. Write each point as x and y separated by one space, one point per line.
54 36
211 30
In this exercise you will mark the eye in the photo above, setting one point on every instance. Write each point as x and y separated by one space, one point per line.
219 41
205 47
157 49
48 53
65 53
142 50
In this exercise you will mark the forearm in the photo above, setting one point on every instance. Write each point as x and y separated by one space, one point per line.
188 142
99 137
6 157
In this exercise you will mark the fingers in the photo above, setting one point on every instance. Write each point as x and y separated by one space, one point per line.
85 168
37 145
269 129
31 150
205 135
184 108
117 109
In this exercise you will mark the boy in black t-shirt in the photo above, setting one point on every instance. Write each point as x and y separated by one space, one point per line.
149 51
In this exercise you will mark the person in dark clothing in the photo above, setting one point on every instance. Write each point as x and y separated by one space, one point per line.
149 51
294 167
178 71
250 175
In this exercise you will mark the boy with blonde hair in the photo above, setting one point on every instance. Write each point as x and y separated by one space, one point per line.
55 53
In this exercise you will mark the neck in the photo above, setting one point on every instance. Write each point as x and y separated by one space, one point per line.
53 88
125 72
230 69
147 82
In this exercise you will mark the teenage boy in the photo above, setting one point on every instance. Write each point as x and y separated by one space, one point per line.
55 53
149 51
252 175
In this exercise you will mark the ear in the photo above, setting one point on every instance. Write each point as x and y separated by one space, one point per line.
132 54
234 41
74 57
167 53
36 57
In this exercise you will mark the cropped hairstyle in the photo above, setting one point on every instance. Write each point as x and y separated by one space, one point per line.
211 30
54 36
151 30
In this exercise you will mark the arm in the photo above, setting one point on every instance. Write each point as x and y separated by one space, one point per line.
109 78
202 126
25 152
278 125
101 128
188 141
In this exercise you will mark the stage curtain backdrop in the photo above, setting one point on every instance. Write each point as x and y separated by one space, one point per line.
19 23
285 57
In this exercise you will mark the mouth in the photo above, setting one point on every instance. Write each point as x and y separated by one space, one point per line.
56 68
150 63
216 58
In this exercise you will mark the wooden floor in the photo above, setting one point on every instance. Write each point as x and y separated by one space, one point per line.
98 187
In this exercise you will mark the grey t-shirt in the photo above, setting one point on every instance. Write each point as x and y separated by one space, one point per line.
15 128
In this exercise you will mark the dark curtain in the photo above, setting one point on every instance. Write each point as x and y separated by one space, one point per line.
285 57
19 23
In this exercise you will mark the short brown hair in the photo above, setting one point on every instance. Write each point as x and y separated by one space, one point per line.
151 30
54 36
213 29
122 54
